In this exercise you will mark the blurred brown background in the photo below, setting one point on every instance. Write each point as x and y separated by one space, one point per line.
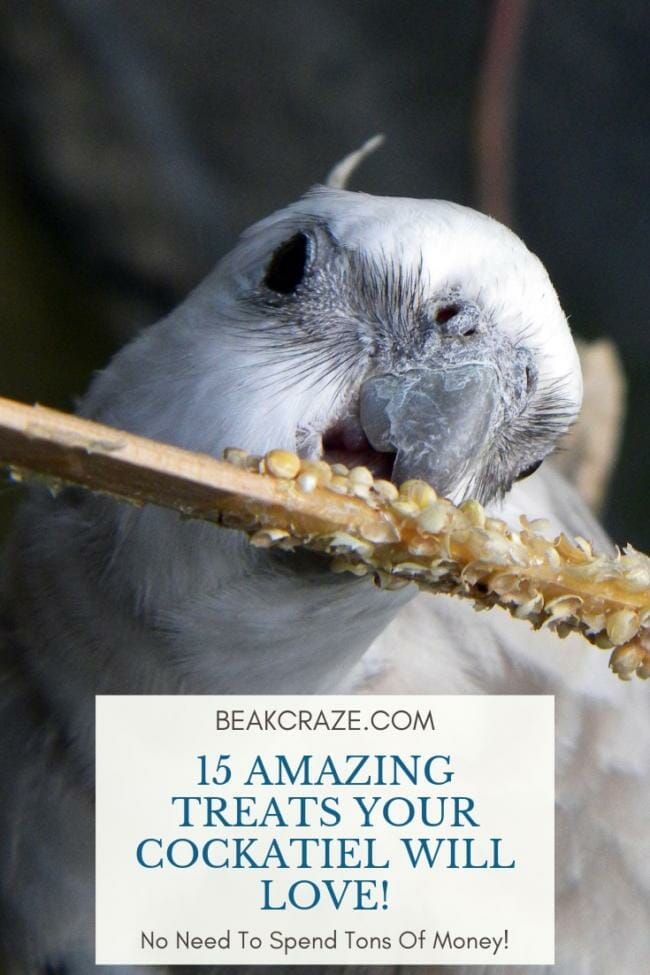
140 138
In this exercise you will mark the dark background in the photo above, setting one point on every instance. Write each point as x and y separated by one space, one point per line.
139 138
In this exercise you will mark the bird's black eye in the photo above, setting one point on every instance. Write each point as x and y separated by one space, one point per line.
288 264
527 471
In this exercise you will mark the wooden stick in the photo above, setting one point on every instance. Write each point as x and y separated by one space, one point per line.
65 449
366 525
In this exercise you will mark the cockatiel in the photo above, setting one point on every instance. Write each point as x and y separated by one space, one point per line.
418 338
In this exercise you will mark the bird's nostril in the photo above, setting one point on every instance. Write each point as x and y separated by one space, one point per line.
446 312
459 318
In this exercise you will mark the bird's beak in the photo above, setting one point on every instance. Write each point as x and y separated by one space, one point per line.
437 420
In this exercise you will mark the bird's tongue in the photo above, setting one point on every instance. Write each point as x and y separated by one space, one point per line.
435 420
347 443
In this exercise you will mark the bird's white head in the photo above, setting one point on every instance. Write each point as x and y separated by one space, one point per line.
418 337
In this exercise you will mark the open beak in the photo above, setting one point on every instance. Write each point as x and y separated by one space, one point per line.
435 420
